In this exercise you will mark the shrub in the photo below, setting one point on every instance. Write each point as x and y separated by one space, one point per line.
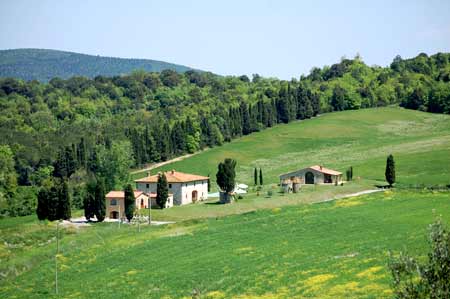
431 279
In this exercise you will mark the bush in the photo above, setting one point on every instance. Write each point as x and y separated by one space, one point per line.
270 193
431 279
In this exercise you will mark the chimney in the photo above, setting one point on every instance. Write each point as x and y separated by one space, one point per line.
320 167
148 173
173 171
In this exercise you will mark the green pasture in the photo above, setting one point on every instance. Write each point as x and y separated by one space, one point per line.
420 143
335 249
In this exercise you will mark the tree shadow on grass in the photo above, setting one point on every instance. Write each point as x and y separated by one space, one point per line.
213 203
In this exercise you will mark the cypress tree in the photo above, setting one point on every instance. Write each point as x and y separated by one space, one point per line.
162 191
53 203
130 202
226 175
42 204
260 177
99 201
209 183
255 176
245 116
89 201
94 162
390 170
64 211
351 173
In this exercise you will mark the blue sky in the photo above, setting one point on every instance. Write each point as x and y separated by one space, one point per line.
273 38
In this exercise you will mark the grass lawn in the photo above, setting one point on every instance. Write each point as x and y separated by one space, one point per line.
283 246
336 249
419 141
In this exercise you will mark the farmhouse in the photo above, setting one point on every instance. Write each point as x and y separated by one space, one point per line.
186 188
316 174
115 202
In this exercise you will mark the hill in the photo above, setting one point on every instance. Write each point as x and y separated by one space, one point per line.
43 65
77 127
419 141
336 249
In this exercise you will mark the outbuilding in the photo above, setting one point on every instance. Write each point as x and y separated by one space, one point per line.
316 174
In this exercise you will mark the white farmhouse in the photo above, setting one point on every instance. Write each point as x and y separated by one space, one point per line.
186 188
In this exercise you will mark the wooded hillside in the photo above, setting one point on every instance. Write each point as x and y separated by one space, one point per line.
79 128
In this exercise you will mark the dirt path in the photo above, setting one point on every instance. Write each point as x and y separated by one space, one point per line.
350 195
156 165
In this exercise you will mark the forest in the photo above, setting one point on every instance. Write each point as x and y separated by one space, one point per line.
78 130
45 64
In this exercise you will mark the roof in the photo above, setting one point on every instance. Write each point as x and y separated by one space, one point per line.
173 177
325 170
318 168
121 194
154 194
137 193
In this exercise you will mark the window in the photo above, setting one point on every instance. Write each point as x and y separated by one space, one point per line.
147 185
170 185
113 202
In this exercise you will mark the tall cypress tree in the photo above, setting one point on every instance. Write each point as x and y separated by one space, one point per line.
89 201
53 203
260 177
42 204
162 191
245 116
130 202
99 201
255 176
390 170
64 211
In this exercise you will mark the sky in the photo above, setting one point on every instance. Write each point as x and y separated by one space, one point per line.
281 39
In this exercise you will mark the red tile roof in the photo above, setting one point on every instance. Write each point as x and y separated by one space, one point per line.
318 168
121 194
325 170
173 177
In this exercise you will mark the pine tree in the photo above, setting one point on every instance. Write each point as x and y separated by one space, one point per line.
162 191
260 177
390 170
99 201
255 176
64 210
89 201
130 202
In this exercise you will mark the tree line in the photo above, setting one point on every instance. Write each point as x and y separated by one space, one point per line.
71 129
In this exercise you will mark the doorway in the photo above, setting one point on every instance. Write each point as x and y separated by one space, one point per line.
309 178
114 215
194 196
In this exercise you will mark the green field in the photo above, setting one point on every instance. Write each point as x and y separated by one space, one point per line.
337 250
283 246
420 143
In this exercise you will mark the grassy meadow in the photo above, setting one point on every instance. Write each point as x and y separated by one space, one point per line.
283 246
335 249
419 141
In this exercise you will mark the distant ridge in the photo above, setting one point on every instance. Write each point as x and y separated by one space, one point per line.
45 64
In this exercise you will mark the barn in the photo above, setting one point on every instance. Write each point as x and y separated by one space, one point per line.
316 174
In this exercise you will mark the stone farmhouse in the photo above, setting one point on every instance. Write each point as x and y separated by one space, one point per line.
316 174
186 188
